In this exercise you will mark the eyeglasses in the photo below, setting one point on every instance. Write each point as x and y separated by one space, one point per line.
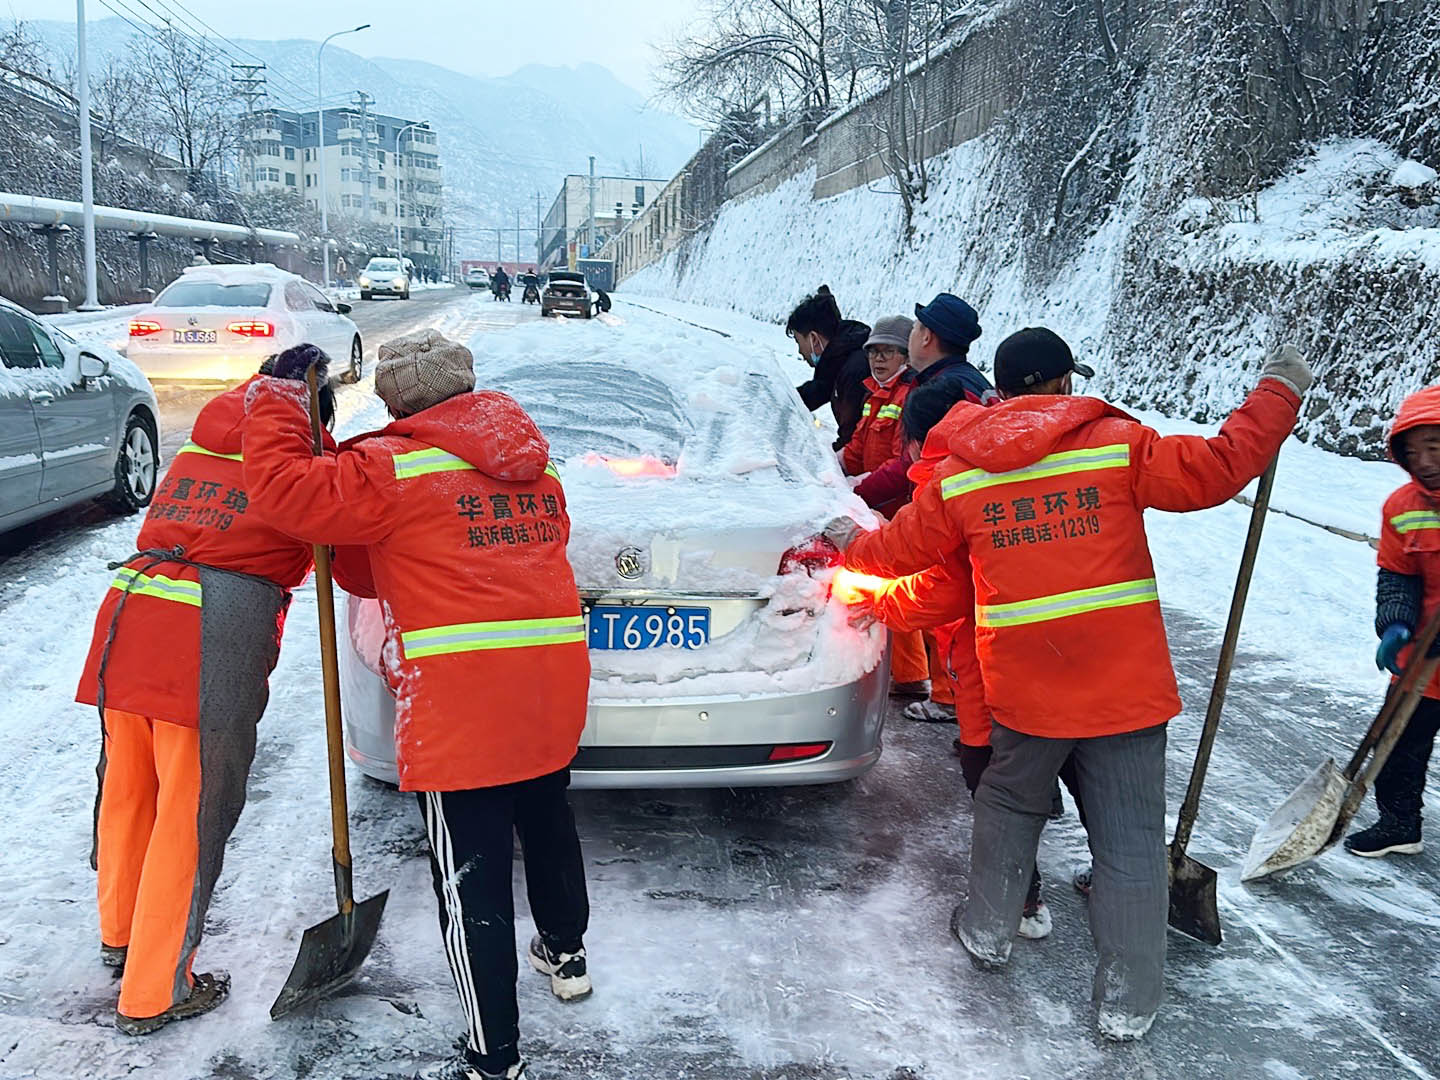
889 351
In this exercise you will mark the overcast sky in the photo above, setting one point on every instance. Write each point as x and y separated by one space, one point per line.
478 37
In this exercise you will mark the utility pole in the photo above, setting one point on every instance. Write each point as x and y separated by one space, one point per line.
87 164
249 84
590 229
539 233
363 100
320 149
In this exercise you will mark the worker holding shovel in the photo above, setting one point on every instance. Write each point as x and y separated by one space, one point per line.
456 521
1044 495
1407 594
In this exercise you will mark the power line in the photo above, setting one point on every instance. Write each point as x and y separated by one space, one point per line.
195 20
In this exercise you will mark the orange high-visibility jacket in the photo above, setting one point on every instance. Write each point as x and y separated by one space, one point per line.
463 521
1410 526
879 436
1045 497
203 507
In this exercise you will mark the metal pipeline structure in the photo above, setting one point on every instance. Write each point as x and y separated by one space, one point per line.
33 210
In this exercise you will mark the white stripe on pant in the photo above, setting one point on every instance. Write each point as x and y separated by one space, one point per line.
455 945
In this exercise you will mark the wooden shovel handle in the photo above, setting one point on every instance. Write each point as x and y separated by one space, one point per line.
1395 695
330 671
1186 822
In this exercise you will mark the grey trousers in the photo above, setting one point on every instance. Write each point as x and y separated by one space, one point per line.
1122 782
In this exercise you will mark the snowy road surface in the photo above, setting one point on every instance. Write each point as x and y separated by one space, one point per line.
795 934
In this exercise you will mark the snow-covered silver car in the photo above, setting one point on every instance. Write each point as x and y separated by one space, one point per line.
698 489
76 422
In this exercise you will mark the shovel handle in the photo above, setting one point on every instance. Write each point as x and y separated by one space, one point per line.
330 670
1191 806
1395 695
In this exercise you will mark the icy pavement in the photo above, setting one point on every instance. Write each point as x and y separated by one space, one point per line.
754 934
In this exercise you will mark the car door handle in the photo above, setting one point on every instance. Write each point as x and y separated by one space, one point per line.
42 397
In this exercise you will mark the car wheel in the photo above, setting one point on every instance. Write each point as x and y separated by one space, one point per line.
136 466
405 295
365 295
357 360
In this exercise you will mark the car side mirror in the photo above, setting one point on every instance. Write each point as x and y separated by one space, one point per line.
344 309
93 367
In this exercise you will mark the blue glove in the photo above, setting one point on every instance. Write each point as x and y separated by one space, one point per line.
1392 639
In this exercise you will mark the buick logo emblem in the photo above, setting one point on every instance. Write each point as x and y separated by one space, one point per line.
630 562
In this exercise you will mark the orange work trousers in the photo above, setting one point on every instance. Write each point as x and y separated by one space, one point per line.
907 657
148 854
955 679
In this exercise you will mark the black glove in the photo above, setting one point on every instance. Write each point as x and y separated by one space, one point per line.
295 361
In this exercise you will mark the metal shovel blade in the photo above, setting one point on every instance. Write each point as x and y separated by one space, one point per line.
1303 825
1193 906
331 953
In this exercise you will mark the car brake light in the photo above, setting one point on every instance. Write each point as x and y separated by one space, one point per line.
817 553
796 751
252 328
141 327
640 466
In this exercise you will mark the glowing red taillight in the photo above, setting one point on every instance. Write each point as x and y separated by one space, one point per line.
817 553
252 328
141 327
798 751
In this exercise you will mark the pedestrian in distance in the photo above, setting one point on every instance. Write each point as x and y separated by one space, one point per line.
210 584
1407 594
835 348
1044 495
454 517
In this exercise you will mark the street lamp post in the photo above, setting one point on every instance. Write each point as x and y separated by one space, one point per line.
399 239
320 148
87 179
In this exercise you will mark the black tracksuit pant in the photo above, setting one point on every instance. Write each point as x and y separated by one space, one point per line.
1400 787
472 850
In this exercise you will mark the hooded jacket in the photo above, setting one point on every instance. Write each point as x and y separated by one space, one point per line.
463 524
840 378
204 508
1410 522
1044 496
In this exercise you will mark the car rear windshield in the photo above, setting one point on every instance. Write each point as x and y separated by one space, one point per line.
383 264
214 294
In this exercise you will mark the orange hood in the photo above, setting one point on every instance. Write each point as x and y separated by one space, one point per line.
220 425
486 428
1008 435
1417 410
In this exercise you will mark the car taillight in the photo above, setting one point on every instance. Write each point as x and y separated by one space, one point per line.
141 327
797 751
252 328
817 553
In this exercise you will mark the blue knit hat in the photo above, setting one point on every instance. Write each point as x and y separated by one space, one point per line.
951 319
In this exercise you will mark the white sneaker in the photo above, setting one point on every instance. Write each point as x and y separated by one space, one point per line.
569 977
1036 923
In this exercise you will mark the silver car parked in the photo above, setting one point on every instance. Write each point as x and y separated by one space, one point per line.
76 422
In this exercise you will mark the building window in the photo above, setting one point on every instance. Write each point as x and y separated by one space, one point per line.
639 194
272 175
380 156
380 131
307 153
309 180
345 150
380 182
380 208
289 153
289 179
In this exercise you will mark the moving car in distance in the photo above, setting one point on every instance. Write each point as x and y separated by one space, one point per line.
76 422
385 275
477 278
698 495
217 324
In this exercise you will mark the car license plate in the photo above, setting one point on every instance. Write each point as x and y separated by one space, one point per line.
628 628
194 337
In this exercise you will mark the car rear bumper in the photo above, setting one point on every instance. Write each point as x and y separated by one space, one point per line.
689 743
231 365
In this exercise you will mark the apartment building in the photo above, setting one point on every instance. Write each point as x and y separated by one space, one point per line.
618 200
379 169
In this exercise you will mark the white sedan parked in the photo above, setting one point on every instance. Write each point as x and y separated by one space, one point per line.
699 490
219 323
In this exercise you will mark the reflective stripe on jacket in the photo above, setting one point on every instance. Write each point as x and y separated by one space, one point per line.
879 437
1044 496
456 520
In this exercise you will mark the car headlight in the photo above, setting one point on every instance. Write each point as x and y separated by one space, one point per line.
400 283
365 282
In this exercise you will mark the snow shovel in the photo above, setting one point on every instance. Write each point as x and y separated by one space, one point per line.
1318 812
1193 906
331 951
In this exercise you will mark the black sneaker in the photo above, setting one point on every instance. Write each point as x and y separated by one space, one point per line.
461 1067
1388 836
207 992
113 955
569 979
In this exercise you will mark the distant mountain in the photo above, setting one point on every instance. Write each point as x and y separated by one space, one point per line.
501 140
